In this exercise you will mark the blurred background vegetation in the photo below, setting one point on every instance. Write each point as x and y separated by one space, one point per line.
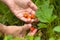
7 17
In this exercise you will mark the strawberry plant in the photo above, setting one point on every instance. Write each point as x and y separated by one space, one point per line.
48 14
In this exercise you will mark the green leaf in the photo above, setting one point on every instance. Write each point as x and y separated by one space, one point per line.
57 29
53 17
38 3
37 38
5 38
45 11
17 38
9 37
30 37
52 38
41 25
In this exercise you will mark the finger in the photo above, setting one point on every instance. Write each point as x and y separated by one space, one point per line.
22 3
22 34
32 20
29 10
36 20
27 20
32 5
32 33
26 26
24 19
33 12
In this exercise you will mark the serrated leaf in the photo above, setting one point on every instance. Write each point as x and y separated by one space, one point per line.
44 12
57 29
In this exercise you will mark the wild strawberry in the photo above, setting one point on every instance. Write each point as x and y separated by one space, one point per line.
29 16
25 14
32 16
32 29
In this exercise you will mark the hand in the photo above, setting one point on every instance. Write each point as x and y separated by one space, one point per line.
19 31
18 7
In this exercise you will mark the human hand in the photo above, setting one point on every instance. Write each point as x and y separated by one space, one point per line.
18 7
19 31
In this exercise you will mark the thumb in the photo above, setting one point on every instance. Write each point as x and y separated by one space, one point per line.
32 5
26 26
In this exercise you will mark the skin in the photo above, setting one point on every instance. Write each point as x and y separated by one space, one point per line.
19 31
18 7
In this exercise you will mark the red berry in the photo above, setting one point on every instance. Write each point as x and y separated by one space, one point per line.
29 16
32 29
32 16
25 14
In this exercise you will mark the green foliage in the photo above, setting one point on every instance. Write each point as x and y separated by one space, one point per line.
30 37
47 18
45 11
37 38
41 25
52 38
58 39
48 13
57 29
17 38
9 37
